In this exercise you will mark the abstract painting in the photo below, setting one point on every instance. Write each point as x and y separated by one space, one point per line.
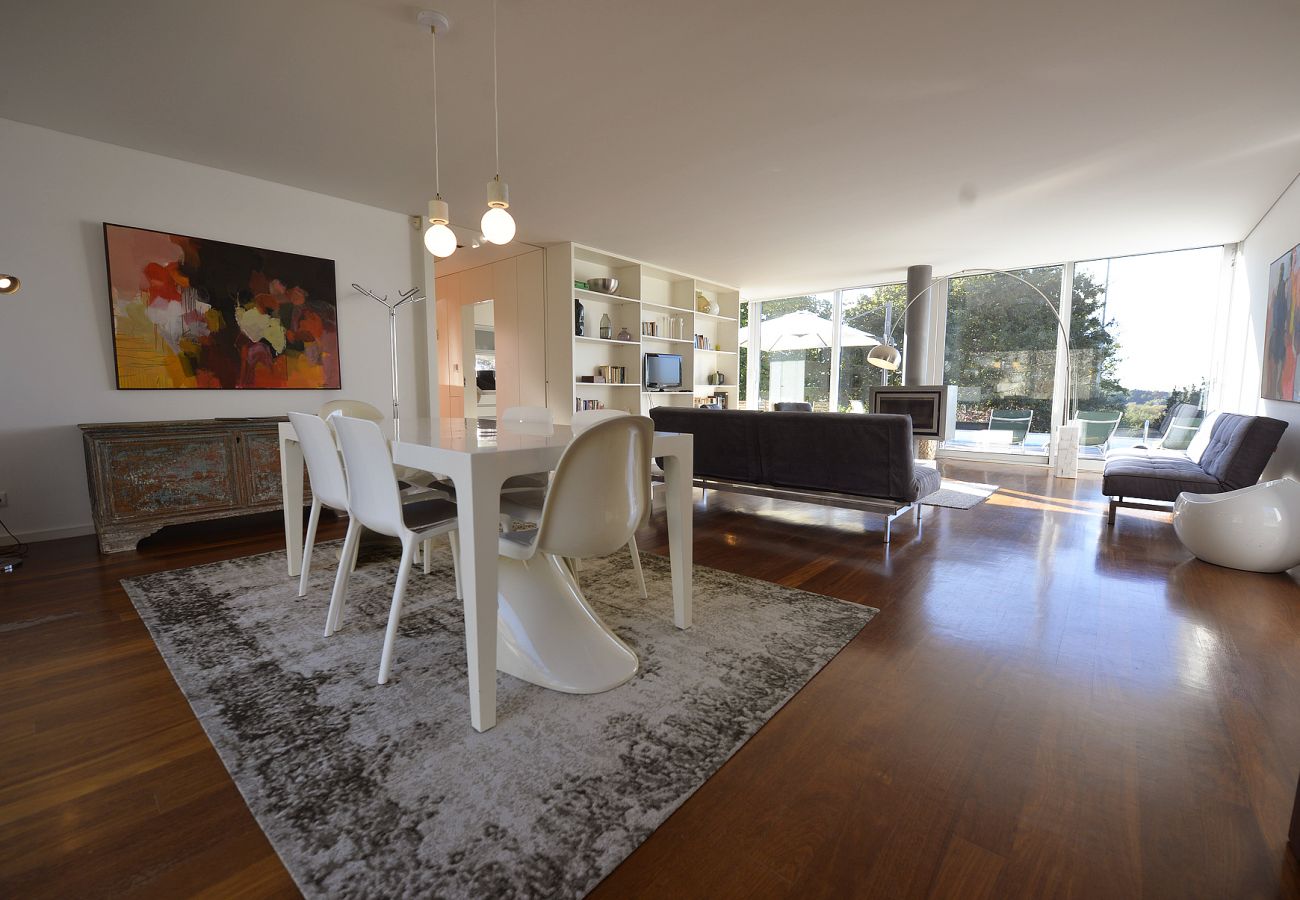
196 313
1282 333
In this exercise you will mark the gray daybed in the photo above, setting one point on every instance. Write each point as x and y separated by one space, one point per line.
832 459
1229 452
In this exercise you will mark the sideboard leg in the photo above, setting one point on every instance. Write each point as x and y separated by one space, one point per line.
119 540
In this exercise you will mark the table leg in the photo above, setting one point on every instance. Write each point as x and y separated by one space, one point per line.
679 471
478 507
291 494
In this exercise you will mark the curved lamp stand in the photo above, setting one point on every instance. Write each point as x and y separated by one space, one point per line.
886 356
1256 529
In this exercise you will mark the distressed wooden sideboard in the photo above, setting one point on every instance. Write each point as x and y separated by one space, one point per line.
146 475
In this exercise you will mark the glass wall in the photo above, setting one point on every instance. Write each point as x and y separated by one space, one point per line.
1142 349
863 316
1001 353
1140 331
794 352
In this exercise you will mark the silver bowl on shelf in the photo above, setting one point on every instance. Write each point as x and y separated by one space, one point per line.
602 285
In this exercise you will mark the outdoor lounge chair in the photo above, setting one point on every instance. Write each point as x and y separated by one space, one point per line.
1097 427
1016 421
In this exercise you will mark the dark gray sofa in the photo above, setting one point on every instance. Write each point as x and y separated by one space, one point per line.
1230 456
836 459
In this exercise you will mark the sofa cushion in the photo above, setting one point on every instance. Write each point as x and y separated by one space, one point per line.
1156 478
1240 448
865 455
725 445
925 481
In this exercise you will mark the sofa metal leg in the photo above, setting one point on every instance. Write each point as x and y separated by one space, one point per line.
919 523
889 521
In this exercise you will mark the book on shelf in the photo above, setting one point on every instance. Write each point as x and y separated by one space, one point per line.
581 405
703 343
612 374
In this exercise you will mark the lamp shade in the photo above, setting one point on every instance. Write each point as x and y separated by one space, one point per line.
884 356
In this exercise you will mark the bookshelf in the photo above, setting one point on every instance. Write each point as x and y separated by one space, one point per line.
648 298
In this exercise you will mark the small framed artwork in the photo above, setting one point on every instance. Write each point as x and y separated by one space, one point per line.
193 313
1282 331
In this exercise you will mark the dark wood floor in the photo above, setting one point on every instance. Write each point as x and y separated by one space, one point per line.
1044 707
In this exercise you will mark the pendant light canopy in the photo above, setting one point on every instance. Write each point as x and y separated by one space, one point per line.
498 225
439 239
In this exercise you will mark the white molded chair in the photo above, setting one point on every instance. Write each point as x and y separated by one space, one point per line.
527 505
374 502
360 409
356 409
547 633
328 485
1256 528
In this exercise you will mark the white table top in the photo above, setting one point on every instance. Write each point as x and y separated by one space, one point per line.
488 435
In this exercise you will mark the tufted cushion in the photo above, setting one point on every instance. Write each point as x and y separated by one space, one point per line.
1155 478
1231 455
1239 449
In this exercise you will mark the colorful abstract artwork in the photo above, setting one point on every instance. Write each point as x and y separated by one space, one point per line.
196 313
1282 333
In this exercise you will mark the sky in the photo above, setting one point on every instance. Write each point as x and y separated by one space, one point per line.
1163 306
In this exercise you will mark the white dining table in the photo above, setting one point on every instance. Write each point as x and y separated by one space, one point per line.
478 456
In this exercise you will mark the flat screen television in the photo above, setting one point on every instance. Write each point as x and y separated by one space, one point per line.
933 407
661 372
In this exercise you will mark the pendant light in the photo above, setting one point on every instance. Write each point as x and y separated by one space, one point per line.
439 239
498 225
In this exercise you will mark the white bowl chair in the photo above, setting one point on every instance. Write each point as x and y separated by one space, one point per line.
1256 528
527 505
547 634
374 502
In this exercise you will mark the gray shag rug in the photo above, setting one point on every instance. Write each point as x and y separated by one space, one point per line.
386 791
953 494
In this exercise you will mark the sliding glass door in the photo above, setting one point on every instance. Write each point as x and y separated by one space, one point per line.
1142 346
1001 351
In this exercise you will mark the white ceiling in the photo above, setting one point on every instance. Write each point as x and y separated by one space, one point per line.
778 146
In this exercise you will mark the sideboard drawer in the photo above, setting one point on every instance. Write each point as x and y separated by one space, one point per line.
146 475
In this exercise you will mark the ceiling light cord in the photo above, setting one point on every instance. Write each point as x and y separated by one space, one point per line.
496 107
433 55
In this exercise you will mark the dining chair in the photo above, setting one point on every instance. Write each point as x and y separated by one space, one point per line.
527 505
375 502
328 485
599 494
360 409
357 409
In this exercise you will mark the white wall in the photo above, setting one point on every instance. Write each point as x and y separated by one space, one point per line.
56 356
1243 343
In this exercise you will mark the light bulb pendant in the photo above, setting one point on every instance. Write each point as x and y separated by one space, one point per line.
498 225
439 239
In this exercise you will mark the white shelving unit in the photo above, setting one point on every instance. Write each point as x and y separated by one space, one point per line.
646 294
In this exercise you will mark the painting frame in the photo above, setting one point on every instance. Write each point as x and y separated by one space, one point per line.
1278 376
191 313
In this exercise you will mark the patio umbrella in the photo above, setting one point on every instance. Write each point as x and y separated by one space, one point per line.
804 330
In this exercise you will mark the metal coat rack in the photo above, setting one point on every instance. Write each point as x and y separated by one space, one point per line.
406 297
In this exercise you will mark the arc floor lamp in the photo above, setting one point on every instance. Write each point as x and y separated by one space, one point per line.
886 356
